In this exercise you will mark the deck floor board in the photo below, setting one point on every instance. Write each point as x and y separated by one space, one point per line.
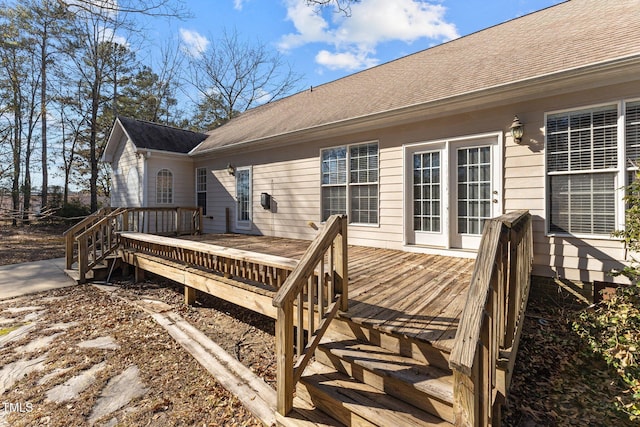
419 296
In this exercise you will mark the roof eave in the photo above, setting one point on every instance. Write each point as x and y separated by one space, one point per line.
607 72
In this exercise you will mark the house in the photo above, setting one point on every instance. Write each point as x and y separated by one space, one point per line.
150 164
418 152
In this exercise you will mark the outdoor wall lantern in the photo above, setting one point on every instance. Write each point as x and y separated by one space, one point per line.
517 130
231 170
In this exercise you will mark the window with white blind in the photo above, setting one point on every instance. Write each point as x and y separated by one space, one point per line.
584 169
350 182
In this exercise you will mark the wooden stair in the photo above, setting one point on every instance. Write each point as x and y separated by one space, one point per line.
363 383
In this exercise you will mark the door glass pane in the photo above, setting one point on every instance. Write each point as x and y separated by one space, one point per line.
474 188
426 191
242 194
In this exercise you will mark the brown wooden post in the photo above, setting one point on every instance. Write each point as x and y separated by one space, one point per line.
227 220
125 220
189 295
68 250
178 221
342 261
199 231
83 258
284 358
138 275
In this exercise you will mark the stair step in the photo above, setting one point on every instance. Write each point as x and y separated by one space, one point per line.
405 346
354 403
305 414
426 387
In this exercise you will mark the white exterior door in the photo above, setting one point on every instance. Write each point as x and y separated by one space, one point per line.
451 187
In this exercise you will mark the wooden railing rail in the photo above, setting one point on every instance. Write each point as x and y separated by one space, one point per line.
267 269
98 242
492 318
96 236
323 288
164 221
70 234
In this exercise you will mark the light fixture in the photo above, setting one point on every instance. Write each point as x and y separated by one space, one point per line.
517 130
231 170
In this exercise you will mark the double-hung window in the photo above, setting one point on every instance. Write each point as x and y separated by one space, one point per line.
584 169
350 182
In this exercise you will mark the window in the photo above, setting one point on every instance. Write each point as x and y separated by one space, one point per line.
164 187
201 189
350 182
584 169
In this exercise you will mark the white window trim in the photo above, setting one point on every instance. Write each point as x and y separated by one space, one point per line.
446 145
619 182
244 225
349 184
197 191
172 187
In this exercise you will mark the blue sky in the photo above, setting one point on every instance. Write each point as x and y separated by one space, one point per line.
324 47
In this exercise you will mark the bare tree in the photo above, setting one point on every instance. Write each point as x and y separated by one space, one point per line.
342 6
156 8
234 75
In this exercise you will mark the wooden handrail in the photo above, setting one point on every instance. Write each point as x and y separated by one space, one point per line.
96 236
71 233
491 320
324 290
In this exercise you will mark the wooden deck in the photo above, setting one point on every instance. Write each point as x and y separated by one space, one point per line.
424 339
418 296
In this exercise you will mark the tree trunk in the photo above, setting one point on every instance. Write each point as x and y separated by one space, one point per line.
93 160
43 111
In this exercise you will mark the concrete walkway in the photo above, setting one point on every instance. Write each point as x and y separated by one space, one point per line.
29 277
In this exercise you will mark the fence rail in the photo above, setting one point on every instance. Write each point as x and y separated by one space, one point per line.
492 318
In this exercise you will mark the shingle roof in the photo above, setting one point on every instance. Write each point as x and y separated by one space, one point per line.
570 35
154 136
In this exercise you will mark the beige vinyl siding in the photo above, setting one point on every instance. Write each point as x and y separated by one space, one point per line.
183 179
291 175
125 169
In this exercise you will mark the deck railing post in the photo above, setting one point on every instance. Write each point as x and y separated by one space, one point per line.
178 221
83 258
68 251
284 357
341 264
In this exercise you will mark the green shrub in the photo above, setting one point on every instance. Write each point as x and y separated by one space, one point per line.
612 331
612 328
74 209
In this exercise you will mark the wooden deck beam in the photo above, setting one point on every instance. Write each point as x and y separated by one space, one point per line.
230 290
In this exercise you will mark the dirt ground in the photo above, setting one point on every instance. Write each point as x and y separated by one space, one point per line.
30 243
180 391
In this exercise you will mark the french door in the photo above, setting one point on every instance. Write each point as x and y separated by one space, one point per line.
453 186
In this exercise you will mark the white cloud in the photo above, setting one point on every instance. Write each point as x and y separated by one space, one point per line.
353 39
350 61
237 4
194 43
